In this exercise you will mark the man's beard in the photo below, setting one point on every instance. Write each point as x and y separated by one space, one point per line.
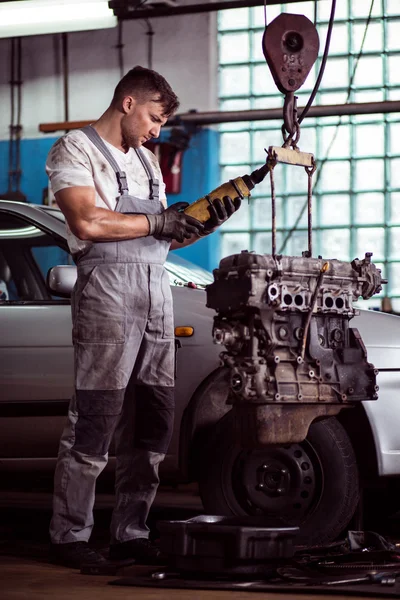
129 139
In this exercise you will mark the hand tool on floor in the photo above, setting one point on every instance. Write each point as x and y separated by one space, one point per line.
384 578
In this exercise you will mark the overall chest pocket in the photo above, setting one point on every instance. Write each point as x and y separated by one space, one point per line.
99 307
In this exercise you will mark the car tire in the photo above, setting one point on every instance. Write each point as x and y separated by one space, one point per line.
313 485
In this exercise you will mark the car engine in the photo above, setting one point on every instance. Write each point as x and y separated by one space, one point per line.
284 321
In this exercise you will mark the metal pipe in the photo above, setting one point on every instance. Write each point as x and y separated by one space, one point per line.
120 49
270 114
124 11
64 39
150 34
212 118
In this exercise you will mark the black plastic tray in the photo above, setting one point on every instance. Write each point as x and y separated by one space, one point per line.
210 543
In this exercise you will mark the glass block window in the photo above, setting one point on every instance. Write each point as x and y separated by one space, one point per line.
356 202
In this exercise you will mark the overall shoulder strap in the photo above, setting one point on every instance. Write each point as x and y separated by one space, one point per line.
153 182
94 137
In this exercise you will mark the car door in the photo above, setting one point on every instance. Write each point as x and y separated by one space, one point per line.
36 359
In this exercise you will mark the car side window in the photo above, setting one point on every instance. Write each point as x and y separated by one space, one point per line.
26 254
7 285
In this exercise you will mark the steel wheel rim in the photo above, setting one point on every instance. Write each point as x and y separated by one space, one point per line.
285 482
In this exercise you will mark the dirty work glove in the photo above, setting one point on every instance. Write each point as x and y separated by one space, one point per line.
219 213
174 224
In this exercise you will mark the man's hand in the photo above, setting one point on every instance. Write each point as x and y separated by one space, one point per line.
174 224
219 213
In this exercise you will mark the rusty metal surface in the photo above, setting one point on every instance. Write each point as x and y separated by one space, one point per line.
266 424
290 46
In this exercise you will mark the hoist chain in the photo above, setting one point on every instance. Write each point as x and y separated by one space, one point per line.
291 126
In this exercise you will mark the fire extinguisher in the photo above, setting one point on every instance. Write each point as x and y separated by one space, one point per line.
169 154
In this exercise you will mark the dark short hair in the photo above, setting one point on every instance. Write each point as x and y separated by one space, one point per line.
143 84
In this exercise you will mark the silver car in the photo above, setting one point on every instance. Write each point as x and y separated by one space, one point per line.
315 484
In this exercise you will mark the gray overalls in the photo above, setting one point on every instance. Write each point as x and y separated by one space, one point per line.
123 338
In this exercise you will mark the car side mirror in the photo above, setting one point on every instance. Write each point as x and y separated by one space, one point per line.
61 280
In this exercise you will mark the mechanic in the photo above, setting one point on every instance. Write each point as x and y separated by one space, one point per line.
120 230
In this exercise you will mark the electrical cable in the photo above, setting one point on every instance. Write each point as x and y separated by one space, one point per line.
323 62
323 162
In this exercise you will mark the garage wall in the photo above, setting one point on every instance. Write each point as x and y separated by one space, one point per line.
184 51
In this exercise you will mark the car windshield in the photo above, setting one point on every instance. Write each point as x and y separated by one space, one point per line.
182 272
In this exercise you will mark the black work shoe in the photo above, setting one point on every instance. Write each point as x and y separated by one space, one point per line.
78 555
141 550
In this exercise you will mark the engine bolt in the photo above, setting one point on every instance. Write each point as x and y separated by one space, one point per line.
260 487
283 471
350 391
280 491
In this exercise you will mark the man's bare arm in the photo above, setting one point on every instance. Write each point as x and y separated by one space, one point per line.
90 222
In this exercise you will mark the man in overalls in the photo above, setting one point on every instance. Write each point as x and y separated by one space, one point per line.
120 230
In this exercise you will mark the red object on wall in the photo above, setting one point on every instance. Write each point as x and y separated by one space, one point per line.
170 159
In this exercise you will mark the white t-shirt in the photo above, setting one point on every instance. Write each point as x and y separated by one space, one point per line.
75 161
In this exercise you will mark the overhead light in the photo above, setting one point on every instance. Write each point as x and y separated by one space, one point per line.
36 17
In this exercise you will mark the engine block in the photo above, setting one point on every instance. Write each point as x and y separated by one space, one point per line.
284 321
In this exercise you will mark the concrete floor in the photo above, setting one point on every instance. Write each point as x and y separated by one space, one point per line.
24 579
